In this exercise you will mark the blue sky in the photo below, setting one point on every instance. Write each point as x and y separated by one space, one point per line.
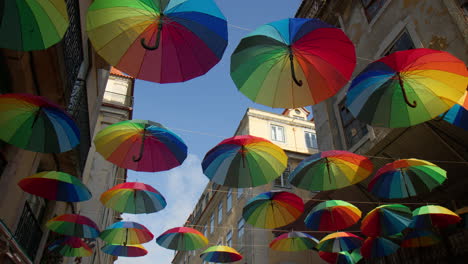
202 111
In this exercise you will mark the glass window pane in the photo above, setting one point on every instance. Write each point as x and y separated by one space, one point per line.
220 213
229 201
212 223
240 191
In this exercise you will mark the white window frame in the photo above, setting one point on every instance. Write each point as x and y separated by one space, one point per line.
274 133
312 143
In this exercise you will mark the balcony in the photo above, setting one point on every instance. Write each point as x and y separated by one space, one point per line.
118 99
28 233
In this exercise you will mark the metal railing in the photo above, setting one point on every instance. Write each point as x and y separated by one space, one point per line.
28 233
118 99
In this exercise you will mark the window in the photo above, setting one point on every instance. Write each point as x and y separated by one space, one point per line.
212 224
372 7
229 200
229 239
220 213
403 42
299 117
240 230
240 191
311 140
205 231
353 129
282 181
277 133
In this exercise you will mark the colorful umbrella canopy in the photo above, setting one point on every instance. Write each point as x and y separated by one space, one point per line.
73 225
56 185
182 238
133 198
273 209
375 247
293 241
220 254
463 213
71 247
124 233
244 161
429 216
33 123
343 257
406 177
386 220
162 41
420 238
330 170
293 62
32 25
332 215
457 115
124 251
141 145
407 87
464 100
339 241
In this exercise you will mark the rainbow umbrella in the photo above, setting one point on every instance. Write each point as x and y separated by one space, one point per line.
182 238
407 87
32 25
124 233
71 247
429 216
220 254
375 247
330 170
293 62
457 115
420 238
339 241
386 220
141 145
463 213
162 41
133 198
293 241
273 209
244 161
406 177
73 225
33 123
124 251
343 257
56 185
332 215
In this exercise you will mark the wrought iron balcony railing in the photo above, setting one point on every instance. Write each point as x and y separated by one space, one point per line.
28 233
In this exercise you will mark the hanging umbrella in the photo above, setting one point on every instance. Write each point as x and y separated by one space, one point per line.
386 220
273 209
124 233
141 145
133 198
182 238
33 123
457 115
56 185
220 254
73 225
343 257
406 177
330 170
463 213
464 100
332 215
376 247
244 161
407 87
339 241
429 216
124 251
293 241
71 247
32 25
420 238
162 41
292 63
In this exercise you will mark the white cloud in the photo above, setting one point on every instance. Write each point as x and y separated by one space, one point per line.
182 187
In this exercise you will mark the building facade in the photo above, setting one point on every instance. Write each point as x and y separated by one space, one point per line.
99 174
218 213
72 75
378 28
